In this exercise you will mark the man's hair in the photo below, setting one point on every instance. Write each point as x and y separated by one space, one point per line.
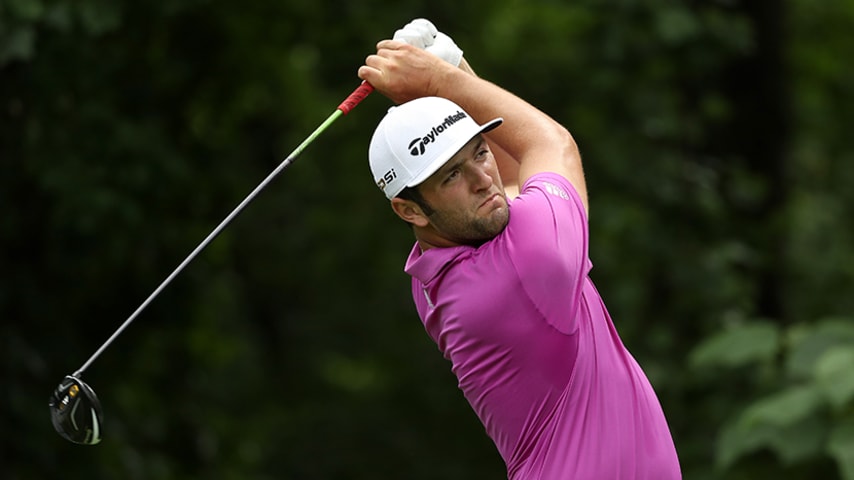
414 195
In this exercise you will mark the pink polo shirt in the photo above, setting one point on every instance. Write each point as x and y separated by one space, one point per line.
535 351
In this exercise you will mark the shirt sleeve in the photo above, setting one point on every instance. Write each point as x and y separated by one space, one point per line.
547 242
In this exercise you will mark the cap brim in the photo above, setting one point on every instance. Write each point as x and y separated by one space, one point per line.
453 150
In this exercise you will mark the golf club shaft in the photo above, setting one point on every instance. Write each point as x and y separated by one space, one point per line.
351 101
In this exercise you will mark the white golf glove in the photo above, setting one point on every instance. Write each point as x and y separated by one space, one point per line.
421 33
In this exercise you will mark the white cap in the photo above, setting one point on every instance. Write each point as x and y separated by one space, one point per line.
416 138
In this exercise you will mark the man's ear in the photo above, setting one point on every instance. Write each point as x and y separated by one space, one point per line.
409 211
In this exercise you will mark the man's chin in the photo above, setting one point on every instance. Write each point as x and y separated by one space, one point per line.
497 224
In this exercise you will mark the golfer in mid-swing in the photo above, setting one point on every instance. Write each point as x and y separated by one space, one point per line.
495 194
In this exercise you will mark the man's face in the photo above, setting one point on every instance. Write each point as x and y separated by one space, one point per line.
466 196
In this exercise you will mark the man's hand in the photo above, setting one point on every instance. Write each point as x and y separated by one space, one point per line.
421 33
403 72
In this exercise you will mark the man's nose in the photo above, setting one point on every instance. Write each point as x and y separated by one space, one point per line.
481 178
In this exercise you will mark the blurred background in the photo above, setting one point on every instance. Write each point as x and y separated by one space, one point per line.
717 144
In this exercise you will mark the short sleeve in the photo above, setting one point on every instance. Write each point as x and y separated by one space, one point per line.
547 243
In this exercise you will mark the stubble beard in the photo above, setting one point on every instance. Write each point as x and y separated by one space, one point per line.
471 230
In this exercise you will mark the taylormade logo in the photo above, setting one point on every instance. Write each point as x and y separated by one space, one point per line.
419 145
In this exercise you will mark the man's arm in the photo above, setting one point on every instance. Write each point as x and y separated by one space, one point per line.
402 72
421 33
508 167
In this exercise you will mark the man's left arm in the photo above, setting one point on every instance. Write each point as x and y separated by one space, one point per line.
421 33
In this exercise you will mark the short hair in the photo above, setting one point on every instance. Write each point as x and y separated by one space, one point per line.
414 195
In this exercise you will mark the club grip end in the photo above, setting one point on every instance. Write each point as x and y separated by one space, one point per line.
357 96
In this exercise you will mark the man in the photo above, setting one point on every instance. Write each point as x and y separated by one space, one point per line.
500 280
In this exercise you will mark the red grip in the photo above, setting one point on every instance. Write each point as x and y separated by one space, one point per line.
357 96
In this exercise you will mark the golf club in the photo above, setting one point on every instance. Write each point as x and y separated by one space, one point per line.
74 408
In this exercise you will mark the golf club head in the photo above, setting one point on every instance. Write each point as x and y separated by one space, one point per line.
76 411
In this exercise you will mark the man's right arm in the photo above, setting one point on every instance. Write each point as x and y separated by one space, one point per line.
508 167
540 144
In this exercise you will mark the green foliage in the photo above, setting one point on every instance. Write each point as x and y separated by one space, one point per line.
841 446
738 345
810 407
717 154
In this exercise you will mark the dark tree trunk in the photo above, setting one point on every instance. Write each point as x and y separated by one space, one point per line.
759 136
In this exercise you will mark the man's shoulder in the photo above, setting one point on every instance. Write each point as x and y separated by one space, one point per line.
551 184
